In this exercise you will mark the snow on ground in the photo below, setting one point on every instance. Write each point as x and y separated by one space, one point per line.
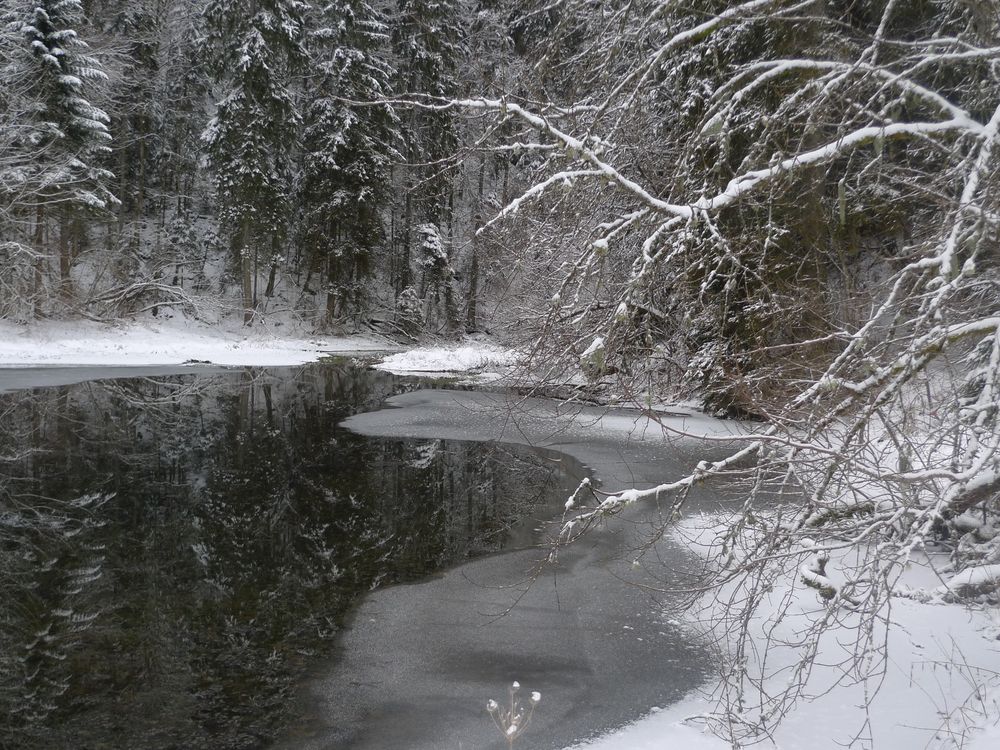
941 689
475 357
168 342
923 703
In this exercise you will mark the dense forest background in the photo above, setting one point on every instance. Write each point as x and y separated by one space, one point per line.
156 152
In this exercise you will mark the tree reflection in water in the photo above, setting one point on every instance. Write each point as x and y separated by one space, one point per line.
175 552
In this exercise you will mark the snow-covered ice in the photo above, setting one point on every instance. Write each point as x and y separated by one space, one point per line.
477 358
941 687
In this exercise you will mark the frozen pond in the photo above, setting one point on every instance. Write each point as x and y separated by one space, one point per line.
218 559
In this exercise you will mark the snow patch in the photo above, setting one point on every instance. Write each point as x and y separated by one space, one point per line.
940 687
477 358
167 342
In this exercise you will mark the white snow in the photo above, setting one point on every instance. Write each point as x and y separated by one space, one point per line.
168 342
941 690
971 578
922 702
472 357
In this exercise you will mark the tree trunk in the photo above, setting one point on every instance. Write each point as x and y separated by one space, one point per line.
122 188
140 192
65 257
450 309
471 308
393 265
404 261
39 261
256 272
333 235
272 276
246 278
471 312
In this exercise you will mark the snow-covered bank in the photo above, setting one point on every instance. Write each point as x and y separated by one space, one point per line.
484 359
175 341
927 697
941 687
168 342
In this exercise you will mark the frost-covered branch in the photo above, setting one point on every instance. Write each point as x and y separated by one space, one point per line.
790 212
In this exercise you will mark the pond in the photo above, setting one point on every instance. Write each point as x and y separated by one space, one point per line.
212 560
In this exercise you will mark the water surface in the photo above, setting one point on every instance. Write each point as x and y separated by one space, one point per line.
180 553
417 663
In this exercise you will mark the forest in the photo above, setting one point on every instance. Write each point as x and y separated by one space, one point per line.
787 210
246 157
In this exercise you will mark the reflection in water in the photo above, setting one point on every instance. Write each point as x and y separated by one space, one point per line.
175 552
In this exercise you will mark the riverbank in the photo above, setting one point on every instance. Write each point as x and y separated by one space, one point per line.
174 341
178 341
940 687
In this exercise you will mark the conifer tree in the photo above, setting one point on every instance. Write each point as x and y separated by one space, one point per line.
139 24
254 50
427 41
349 149
182 116
68 136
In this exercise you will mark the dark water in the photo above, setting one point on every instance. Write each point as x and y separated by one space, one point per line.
177 552
589 630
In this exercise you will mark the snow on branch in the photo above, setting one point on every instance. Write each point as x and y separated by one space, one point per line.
771 69
615 503
536 191
972 579
970 191
743 184
588 150
694 34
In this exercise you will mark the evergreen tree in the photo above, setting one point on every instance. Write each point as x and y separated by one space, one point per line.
13 113
349 149
67 136
139 24
183 118
251 141
427 41
436 277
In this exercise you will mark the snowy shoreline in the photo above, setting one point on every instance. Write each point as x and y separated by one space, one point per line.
179 342
172 342
939 690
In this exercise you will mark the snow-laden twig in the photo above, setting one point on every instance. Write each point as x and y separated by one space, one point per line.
513 718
